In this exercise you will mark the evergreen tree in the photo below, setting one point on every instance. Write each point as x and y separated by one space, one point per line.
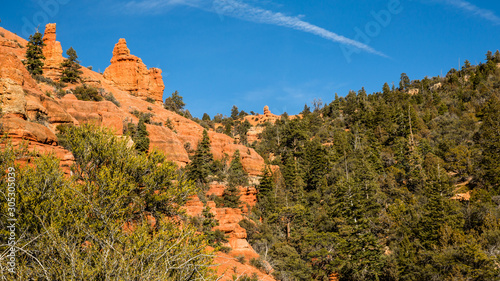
214 238
71 67
386 89
34 54
488 139
141 136
206 117
266 183
316 165
306 110
234 112
404 82
236 174
174 103
231 197
202 161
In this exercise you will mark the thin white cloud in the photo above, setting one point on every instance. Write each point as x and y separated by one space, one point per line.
156 6
244 11
240 10
473 9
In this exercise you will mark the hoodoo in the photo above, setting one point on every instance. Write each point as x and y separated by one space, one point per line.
53 53
128 73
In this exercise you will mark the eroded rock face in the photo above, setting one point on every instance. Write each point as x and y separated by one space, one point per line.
103 113
11 67
229 218
12 98
53 53
129 73
20 129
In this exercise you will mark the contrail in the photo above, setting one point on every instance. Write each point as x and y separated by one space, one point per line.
243 11
473 9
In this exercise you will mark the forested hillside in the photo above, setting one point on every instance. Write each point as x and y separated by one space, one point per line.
401 184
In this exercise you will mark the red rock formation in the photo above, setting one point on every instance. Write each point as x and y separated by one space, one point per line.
257 122
12 68
128 73
103 113
12 99
20 129
227 266
248 195
10 42
53 53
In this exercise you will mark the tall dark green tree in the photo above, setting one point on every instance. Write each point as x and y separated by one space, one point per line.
202 161
316 165
234 112
266 183
71 67
231 197
141 137
236 174
206 117
488 139
404 82
34 54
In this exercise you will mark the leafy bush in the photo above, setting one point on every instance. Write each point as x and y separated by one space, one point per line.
96 226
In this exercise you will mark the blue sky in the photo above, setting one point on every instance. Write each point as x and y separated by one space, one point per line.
252 53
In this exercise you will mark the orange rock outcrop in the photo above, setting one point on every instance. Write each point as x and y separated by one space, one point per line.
53 53
128 73
229 218
257 123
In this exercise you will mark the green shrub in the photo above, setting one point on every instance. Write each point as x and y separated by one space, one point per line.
241 259
110 97
87 93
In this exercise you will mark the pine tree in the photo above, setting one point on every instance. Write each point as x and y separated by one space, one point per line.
316 164
236 173
231 197
71 67
489 141
266 183
214 238
405 82
206 117
202 161
234 112
141 137
175 103
34 54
